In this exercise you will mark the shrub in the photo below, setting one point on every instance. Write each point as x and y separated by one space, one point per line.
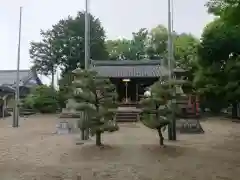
43 99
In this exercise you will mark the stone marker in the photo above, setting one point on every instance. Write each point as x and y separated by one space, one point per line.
63 128
189 126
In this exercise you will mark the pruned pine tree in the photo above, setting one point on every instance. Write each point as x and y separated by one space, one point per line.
159 106
97 98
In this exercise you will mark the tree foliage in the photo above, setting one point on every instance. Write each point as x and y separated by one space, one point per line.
97 98
42 99
185 51
152 44
157 42
120 49
125 49
65 88
157 108
218 53
228 10
43 54
62 46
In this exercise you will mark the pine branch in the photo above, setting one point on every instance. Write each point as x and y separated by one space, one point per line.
87 97
97 97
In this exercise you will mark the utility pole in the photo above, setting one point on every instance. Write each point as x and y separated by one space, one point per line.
16 109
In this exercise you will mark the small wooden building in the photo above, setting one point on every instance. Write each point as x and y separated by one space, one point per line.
132 77
28 79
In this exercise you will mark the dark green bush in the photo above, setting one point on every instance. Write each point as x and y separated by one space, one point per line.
43 99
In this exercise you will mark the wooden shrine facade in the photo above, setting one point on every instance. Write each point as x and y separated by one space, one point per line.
132 77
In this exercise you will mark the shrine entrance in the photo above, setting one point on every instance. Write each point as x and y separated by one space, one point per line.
132 77
130 90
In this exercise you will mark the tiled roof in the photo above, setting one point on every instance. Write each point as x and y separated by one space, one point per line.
8 77
8 89
130 71
125 62
130 68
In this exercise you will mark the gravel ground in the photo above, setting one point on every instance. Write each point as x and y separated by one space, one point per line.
33 152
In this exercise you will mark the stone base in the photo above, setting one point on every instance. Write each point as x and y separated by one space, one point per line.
66 113
6 114
236 120
70 115
63 128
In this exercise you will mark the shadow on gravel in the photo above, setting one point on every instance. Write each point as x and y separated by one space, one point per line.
132 152
170 151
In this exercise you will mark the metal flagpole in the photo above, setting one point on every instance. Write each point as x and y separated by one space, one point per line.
172 30
87 50
169 47
16 109
87 33
174 134
170 67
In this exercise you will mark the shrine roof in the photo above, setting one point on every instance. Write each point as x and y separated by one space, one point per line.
27 78
131 68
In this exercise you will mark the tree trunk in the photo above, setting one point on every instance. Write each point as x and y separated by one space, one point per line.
1 109
98 138
86 132
170 137
161 138
52 79
82 134
234 110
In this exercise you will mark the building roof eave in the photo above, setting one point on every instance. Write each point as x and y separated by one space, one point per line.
131 68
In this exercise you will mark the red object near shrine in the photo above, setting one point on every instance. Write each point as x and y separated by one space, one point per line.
193 104
197 105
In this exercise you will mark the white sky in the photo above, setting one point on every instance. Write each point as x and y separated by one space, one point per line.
119 18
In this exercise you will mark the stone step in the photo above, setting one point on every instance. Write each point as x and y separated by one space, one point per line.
127 120
127 116
127 113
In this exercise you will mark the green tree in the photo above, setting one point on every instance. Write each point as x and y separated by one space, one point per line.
65 88
44 55
139 43
233 84
158 108
128 49
155 110
156 46
97 98
63 45
185 52
120 49
218 58
143 44
228 10
42 99
153 45
185 47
